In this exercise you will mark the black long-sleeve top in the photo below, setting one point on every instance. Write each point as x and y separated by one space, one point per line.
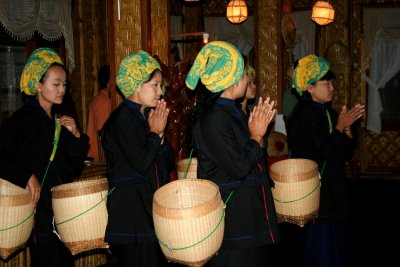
228 157
137 165
309 137
26 143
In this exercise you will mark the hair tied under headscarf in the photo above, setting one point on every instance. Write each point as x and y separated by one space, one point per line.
36 65
218 65
309 70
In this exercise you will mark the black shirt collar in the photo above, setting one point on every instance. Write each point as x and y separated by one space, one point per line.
231 103
132 105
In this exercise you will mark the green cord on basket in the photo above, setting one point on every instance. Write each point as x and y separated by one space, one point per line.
206 237
290 201
56 138
89 209
5 229
188 164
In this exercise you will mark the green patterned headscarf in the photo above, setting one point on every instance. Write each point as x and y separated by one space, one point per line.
36 65
309 70
251 71
218 65
134 70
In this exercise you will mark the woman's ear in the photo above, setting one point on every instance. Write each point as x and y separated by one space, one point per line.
310 89
39 87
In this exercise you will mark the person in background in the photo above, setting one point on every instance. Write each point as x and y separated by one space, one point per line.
319 133
251 90
138 159
228 146
99 111
27 145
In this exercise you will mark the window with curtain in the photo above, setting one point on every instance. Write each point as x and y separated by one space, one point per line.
382 47
13 54
305 31
12 60
50 18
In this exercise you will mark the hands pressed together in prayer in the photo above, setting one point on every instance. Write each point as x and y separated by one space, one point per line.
348 117
260 118
158 118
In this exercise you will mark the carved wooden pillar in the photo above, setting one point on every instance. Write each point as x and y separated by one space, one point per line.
160 29
192 23
269 74
126 34
136 25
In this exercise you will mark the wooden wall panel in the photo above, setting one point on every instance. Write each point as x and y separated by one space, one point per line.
160 29
90 37
128 30
267 49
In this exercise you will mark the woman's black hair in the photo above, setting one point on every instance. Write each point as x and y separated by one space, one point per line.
44 76
329 76
152 75
207 98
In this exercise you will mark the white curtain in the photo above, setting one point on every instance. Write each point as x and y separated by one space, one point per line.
382 38
305 31
240 35
51 18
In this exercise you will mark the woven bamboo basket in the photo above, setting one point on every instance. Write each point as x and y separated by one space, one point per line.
297 190
17 259
94 171
80 214
16 217
188 166
189 220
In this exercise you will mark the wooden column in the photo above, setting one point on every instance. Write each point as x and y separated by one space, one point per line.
160 29
268 43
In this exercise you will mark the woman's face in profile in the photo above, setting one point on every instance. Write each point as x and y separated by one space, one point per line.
321 91
151 91
52 90
251 90
241 88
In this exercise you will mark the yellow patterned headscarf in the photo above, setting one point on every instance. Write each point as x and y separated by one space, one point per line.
251 71
134 70
36 65
309 70
218 65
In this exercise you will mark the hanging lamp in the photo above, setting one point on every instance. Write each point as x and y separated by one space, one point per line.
323 13
236 11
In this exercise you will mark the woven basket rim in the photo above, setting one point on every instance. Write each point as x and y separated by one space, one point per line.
187 180
15 200
79 188
285 165
75 184
19 190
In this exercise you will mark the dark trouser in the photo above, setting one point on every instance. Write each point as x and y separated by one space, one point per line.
327 245
136 255
250 257
51 253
